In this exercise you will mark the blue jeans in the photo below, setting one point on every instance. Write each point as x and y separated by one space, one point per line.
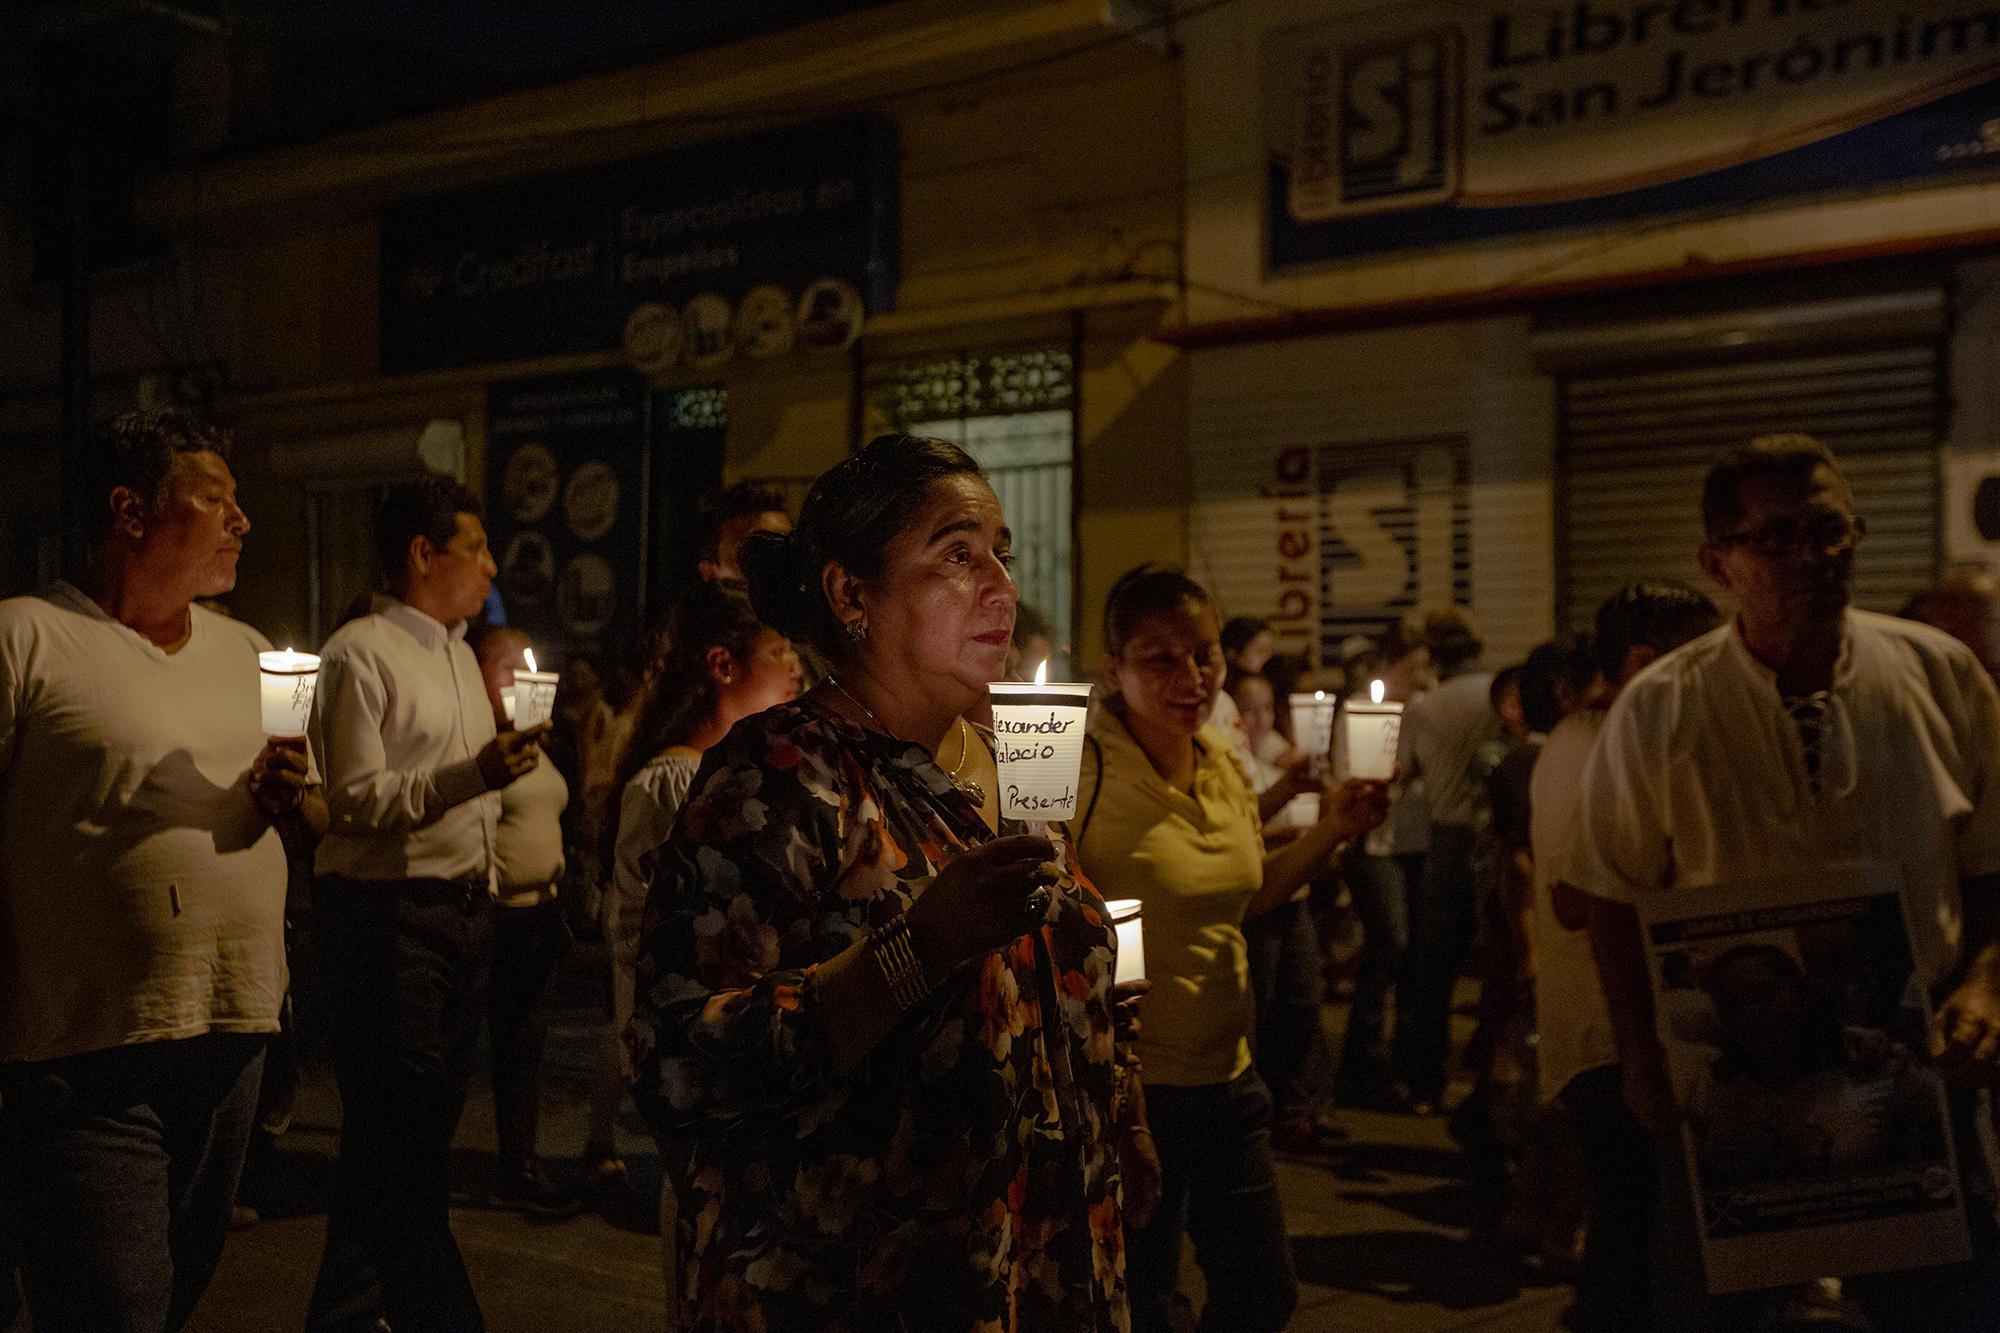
1380 887
1285 978
1444 913
121 1166
403 968
528 945
1219 1186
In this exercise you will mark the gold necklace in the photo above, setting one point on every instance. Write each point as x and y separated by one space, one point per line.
967 787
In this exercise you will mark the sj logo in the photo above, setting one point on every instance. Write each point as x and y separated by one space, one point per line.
1377 125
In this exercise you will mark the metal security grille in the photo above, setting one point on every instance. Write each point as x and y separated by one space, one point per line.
1636 445
1014 412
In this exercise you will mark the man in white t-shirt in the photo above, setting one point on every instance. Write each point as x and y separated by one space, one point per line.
1578 1060
144 823
1805 733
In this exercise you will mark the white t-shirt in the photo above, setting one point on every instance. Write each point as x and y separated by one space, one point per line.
1569 1000
1699 778
1442 734
142 892
527 844
646 811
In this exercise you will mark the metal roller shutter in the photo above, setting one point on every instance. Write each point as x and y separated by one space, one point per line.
1636 444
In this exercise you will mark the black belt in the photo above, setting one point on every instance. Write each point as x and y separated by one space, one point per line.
470 895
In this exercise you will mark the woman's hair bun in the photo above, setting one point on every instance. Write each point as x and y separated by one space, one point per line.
782 581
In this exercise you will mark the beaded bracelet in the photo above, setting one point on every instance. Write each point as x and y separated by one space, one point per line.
890 945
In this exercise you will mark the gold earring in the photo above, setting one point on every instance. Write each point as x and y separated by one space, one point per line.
856 631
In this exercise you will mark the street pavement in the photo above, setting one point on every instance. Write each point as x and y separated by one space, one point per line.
1384 1227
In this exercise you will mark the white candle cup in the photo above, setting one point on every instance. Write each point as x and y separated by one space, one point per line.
286 682
1131 939
1312 723
507 701
1038 745
1371 734
534 698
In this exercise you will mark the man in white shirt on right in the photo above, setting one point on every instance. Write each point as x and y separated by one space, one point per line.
1805 733
1578 1061
402 910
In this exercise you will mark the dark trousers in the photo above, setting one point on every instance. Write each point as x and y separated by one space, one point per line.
121 1166
1443 913
1622 1170
1380 888
403 968
1219 1187
528 944
1285 977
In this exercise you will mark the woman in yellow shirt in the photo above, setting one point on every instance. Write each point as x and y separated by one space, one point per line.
1171 820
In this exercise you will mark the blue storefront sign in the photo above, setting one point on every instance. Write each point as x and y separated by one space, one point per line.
1448 124
566 508
681 256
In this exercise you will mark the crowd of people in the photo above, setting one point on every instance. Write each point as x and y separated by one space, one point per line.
872 1020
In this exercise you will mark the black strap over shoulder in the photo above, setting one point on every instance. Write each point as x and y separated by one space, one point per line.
1097 788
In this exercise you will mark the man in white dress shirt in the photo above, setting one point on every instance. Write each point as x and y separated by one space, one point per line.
402 918
144 823
1804 734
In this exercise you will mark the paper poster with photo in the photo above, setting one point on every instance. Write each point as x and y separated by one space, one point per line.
1817 1139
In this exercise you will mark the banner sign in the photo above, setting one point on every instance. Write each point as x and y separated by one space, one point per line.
688 257
566 507
1455 123
1817 1142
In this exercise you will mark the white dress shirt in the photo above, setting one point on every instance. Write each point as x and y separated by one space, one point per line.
398 722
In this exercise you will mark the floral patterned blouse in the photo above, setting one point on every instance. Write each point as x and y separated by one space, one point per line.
964 1175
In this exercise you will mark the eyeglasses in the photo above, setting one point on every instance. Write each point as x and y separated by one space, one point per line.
1823 531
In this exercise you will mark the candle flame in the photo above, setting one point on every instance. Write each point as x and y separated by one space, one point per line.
1375 692
1042 672
1319 696
528 655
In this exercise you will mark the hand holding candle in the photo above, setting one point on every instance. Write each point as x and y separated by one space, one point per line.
1372 730
1125 918
534 696
1312 723
286 683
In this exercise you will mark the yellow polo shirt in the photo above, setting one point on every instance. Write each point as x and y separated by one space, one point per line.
1195 861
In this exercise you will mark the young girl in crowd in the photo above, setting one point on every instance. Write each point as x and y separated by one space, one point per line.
722 664
1171 820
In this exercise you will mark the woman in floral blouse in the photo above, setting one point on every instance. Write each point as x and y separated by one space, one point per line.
882 1014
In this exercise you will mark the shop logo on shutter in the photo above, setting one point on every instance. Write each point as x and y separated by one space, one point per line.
1395 533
